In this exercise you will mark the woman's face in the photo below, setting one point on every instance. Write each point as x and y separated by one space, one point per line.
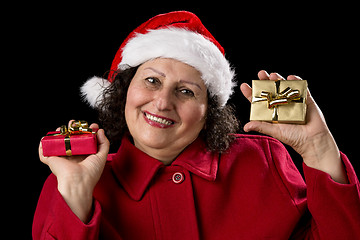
165 107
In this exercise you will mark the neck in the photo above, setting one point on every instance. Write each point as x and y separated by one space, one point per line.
166 156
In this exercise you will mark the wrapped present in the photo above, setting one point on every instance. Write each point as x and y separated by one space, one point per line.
279 101
78 139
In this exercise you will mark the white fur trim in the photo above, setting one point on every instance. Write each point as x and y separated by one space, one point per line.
188 47
92 90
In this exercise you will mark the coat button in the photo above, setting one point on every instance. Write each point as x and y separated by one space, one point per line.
178 177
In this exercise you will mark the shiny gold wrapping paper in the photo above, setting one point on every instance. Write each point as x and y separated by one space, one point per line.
289 111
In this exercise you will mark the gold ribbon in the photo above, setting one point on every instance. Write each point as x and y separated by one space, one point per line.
76 128
286 96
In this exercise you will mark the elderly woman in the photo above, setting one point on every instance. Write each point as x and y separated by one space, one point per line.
180 172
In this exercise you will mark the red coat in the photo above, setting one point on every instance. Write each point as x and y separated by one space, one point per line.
252 192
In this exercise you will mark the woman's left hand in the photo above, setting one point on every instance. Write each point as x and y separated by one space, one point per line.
313 140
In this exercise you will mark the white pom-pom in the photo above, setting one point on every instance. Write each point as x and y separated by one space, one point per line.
92 90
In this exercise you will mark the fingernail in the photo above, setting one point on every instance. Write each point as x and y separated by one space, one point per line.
276 77
265 72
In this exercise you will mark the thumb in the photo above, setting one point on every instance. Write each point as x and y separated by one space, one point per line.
262 127
96 163
103 144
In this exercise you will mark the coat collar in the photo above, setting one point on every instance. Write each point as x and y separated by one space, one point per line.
135 169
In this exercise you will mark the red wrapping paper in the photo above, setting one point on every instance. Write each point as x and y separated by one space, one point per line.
81 144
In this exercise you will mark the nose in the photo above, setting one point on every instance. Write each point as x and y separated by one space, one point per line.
164 100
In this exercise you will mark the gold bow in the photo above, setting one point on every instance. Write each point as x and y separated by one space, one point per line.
286 96
75 128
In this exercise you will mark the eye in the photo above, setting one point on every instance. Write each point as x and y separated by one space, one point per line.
152 80
187 92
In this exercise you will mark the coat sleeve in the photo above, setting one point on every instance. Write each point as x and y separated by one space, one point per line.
54 219
330 210
334 207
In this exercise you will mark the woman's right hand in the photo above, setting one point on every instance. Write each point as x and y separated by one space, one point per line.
78 175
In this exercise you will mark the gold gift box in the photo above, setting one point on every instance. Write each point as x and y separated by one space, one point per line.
280 101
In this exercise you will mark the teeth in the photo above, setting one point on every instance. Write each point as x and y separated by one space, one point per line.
158 120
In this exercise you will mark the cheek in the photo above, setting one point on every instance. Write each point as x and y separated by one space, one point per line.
135 98
133 94
193 116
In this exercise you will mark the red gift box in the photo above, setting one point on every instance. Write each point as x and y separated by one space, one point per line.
75 141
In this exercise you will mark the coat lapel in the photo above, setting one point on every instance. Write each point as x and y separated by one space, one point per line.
135 169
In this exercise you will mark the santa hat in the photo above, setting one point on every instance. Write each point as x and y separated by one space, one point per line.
178 35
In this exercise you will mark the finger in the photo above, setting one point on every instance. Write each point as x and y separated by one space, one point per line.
41 155
275 76
246 91
293 77
94 125
263 75
70 123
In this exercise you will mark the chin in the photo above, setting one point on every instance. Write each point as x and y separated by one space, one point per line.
155 139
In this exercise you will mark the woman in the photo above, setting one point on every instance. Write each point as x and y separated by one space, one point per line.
179 172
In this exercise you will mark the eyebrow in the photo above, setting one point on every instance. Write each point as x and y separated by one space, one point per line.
182 81
192 83
158 72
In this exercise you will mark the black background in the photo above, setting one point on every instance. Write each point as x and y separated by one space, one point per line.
51 50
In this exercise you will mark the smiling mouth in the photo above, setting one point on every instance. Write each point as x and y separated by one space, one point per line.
158 119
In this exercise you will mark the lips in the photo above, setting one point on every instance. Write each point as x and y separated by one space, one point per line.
158 121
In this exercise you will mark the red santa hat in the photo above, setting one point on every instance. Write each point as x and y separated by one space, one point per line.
178 35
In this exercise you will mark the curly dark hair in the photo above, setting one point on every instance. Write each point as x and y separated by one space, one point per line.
220 123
